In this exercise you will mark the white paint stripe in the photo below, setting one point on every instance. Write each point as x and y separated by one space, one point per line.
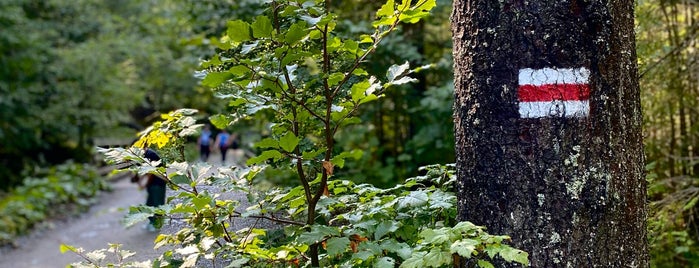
545 76
537 109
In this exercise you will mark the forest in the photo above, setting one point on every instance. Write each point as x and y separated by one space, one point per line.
376 128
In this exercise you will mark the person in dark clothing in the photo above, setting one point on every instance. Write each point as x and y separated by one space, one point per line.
223 142
204 141
155 187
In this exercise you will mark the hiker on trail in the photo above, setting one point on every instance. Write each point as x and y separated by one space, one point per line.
223 141
204 143
155 188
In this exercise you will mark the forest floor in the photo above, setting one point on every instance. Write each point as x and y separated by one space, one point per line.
92 230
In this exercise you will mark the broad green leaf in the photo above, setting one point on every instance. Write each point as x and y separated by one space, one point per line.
370 97
238 31
434 237
417 260
201 201
384 228
132 218
64 248
262 27
386 9
267 143
238 262
239 70
264 156
385 262
317 234
213 80
219 121
403 250
485 264
415 198
337 245
289 142
464 247
180 179
296 33
437 258
512 254
335 78
358 89
425 5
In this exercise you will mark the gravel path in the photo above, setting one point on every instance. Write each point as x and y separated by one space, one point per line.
93 230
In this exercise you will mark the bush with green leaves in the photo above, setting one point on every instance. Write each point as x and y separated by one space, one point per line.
290 64
55 191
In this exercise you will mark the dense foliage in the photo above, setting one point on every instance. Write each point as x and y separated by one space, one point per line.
62 190
667 49
290 64
64 62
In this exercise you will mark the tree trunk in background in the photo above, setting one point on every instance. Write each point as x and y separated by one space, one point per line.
548 128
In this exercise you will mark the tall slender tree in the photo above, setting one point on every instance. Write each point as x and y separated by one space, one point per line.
548 128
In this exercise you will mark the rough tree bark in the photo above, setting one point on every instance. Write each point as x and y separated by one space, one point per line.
548 128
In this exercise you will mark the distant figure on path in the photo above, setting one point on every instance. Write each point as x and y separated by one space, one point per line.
204 143
155 187
223 141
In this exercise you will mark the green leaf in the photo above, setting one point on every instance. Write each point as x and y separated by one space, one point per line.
434 237
437 258
485 264
296 33
317 234
385 262
386 9
262 27
358 90
270 154
238 31
512 254
201 201
385 228
213 80
335 78
337 245
64 248
417 260
289 142
414 199
180 179
219 121
464 247
425 5
267 143
135 217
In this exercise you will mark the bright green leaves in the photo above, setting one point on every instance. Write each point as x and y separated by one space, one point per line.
266 155
215 79
363 92
404 11
239 31
288 142
337 245
418 11
297 32
262 27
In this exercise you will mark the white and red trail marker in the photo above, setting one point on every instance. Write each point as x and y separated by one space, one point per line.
554 92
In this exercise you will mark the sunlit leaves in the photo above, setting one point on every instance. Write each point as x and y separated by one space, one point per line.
238 31
262 27
288 142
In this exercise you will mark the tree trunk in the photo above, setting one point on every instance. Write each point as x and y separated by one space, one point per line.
548 128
